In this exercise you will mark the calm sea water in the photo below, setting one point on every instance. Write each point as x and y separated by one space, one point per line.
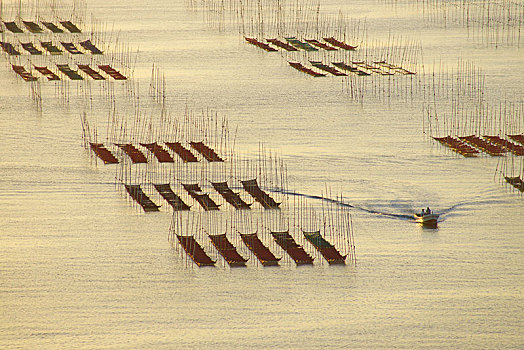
80 267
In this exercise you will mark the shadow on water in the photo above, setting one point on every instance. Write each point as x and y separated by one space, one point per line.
444 212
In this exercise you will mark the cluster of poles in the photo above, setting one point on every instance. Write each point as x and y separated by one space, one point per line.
295 235
52 46
493 22
185 163
182 163
458 114
307 38
456 110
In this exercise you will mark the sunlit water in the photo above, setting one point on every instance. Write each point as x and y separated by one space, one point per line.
81 267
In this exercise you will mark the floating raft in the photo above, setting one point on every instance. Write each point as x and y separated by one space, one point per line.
457 146
299 44
141 198
327 68
29 47
113 73
295 251
12 27
258 248
71 48
340 44
512 147
282 44
32 27
134 153
91 72
231 197
72 74
88 45
46 72
350 68
321 45
52 27
103 153
260 44
182 152
325 248
393 67
370 67
228 250
206 152
517 138
49 47
304 69
202 198
485 146
515 182
20 70
251 186
9 49
195 251
159 152
175 201
70 27
404 71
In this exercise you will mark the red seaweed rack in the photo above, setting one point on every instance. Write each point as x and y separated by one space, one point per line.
134 153
231 197
260 44
251 186
290 246
458 146
103 153
328 251
159 152
195 251
135 191
258 248
182 152
173 199
20 70
206 152
228 250
202 198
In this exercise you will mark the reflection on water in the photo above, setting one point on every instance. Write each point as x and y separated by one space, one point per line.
81 266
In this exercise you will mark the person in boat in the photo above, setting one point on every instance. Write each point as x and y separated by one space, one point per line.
422 212
428 211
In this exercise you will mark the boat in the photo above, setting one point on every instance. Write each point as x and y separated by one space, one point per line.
427 218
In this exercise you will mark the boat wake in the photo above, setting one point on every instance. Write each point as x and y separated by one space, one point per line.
348 205
443 212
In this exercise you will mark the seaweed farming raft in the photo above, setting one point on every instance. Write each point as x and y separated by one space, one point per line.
258 248
159 152
173 199
182 152
195 251
290 246
231 197
202 198
134 153
227 250
260 44
251 187
325 248
103 153
516 182
300 67
207 152
458 146
135 191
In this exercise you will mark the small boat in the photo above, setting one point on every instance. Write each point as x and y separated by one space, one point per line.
427 218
